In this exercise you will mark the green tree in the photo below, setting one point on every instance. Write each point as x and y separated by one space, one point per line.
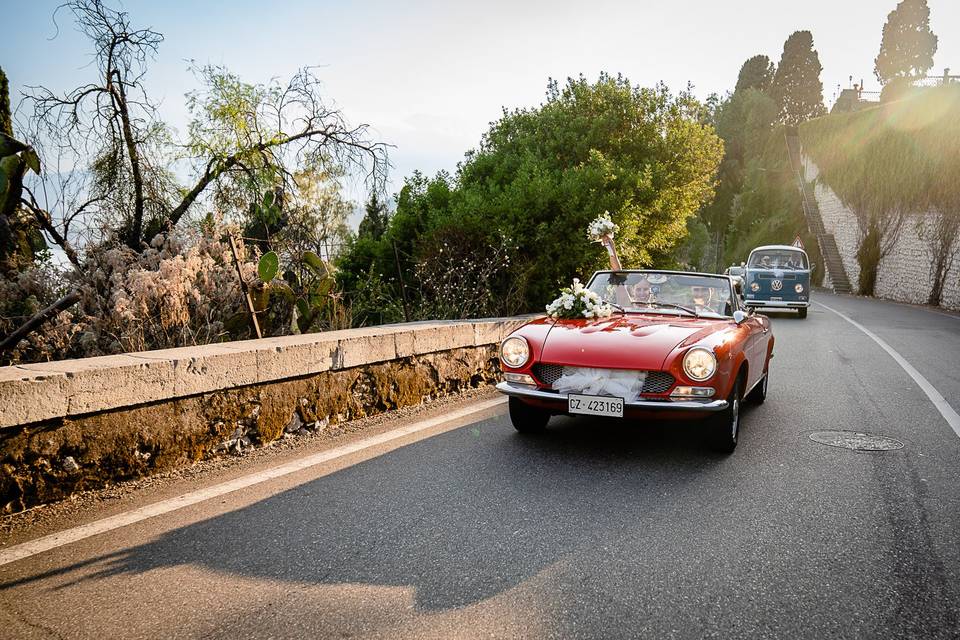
746 122
244 140
905 161
6 120
541 175
796 84
379 274
756 73
316 214
693 253
375 219
767 209
908 44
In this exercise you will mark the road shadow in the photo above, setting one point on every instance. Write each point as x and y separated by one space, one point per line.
460 517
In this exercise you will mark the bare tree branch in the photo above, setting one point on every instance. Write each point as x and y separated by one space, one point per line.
47 225
33 323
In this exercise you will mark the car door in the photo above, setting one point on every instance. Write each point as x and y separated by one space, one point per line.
758 341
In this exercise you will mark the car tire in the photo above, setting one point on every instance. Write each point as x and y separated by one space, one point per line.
759 392
725 430
527 419
802 313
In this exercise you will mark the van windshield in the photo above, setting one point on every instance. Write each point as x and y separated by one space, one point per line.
778 259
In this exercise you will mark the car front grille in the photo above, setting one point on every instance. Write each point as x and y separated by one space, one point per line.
655 382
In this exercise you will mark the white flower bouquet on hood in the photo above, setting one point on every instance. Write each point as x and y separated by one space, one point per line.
578 302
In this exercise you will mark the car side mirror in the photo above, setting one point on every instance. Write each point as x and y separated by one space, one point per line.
739 316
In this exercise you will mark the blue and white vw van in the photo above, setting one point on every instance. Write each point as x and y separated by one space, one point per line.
777 276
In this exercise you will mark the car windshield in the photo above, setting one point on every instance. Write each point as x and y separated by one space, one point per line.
778 259
672 293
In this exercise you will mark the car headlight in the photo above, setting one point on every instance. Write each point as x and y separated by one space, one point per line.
754 286
514 351
798 288
699 363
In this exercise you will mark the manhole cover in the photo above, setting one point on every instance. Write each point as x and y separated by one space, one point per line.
856 440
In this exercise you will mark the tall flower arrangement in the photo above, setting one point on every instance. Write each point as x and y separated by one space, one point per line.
602 226
602 230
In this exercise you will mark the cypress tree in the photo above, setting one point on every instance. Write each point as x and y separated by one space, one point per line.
756 73
374 223
6 120
796 85
908 44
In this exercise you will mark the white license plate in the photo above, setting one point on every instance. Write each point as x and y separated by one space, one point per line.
776 298
595 405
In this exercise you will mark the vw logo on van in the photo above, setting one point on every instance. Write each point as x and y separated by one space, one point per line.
776 285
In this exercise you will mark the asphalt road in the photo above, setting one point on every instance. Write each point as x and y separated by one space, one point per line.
596 529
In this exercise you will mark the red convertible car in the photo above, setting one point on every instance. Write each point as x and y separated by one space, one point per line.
675 345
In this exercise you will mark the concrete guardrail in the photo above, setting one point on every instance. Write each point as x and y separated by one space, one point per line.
78 424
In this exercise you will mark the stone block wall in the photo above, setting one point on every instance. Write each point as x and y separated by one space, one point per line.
81 424
904 274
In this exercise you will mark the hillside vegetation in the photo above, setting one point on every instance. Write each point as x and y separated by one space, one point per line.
889 163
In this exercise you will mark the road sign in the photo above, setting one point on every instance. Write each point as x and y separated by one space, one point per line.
797 242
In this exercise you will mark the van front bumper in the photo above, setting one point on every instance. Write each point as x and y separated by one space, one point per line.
778 304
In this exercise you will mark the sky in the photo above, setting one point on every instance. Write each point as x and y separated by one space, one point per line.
429 77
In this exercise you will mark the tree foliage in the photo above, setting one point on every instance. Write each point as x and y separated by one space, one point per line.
243 140
756 73
317 214
908 44
890 162
126 194
767 209
375 220
541 175
796 85
757 201
6 120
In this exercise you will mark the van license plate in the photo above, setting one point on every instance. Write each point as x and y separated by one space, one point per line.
595 405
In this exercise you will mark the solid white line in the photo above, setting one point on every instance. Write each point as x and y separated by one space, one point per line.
67 536
948 413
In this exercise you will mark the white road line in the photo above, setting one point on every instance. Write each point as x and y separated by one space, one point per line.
948 413
67 536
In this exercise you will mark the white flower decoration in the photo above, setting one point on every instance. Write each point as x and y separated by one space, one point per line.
577 301
603 225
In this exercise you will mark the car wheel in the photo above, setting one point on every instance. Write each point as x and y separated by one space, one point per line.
527 419
725 431
759 393
802 312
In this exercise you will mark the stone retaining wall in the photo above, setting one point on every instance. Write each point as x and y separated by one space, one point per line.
81 424
904 274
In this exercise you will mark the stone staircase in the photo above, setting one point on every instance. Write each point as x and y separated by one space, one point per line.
826 241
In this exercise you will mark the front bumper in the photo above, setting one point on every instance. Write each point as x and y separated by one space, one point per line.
558 402
777 304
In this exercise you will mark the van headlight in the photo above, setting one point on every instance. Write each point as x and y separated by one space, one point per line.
699 364
514 351
754 286
798 288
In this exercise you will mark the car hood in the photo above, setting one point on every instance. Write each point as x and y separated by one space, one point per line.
622 342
